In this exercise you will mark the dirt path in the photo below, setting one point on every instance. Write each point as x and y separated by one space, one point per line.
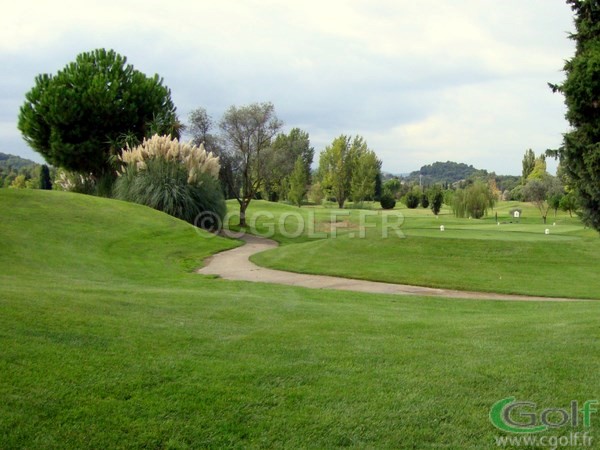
235 265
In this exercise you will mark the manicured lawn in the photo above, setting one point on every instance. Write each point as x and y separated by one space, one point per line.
108 340
475 255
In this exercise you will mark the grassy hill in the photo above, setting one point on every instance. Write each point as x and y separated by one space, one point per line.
108 340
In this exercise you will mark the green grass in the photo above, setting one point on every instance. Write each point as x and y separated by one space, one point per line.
108 340
476 255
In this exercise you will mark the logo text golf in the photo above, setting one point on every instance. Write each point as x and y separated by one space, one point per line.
522 417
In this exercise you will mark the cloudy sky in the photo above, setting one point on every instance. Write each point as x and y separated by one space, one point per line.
421 81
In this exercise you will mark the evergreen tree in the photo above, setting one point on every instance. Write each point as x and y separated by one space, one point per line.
45 182
580 152
81 117
378 186
436 199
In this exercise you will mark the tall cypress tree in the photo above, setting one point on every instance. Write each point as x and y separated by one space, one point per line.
580 152
45 182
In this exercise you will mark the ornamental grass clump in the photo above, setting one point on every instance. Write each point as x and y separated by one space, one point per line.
195 159
179 179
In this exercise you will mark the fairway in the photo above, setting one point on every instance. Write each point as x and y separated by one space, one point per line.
110 340
475 255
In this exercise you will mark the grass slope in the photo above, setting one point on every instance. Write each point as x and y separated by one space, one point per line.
107 340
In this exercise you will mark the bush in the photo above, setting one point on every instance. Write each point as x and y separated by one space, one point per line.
74 182
387 201
411 200
175 178
424 201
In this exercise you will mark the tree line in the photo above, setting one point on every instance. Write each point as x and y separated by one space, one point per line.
258 160
83 117
17 172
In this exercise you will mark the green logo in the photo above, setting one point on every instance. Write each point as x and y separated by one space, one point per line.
520 417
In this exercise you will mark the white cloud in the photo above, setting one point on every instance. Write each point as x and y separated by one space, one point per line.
462 80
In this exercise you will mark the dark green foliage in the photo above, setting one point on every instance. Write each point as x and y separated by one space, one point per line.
424 202
580 152
164 186
436 199
45 182
443 172
82 115
387 201
411 200
378 186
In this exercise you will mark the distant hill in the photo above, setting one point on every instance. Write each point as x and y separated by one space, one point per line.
449 173
444 172
12 166
15 163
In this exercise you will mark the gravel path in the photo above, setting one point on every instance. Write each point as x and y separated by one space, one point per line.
235 265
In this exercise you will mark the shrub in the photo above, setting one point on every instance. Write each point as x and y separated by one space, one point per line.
387 201
195 159
411 200
178 179
424 200
74 182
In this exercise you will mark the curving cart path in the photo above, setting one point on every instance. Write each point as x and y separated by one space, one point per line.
235 264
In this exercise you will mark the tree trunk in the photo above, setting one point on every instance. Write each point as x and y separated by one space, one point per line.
243 206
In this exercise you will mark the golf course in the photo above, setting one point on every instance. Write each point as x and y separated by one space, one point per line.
110 339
